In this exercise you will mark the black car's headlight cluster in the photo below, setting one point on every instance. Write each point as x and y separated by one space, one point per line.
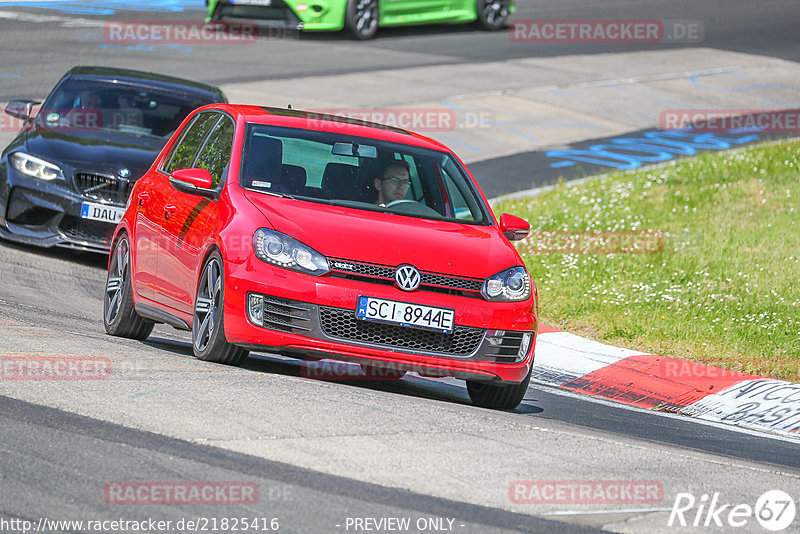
285 251
511 285
33 166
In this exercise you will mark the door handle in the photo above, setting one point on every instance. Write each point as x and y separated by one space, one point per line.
143 196
169 209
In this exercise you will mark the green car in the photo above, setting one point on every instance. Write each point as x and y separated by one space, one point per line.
362 17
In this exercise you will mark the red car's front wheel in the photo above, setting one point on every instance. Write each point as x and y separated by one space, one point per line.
208 328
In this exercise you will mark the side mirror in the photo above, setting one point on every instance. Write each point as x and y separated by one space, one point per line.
21 109
193 181
513 227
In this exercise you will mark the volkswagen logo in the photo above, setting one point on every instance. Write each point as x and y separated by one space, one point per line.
407 277
124 172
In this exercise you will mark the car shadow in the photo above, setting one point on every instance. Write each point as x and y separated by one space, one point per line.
441 389
96 260
394 32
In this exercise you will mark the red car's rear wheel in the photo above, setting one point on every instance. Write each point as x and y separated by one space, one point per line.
119 317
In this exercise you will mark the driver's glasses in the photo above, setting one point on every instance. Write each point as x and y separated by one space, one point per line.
399 181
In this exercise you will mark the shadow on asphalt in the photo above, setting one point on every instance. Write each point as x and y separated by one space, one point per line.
89 259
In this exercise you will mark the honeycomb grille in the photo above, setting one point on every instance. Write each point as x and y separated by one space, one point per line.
87 230
342 324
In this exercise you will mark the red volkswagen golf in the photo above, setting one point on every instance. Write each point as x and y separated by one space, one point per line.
315 237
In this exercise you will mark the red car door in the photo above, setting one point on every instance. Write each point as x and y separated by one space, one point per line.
150 198
186 217
167 285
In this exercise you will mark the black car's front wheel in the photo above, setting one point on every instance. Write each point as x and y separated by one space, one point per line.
498 396
208 329
119 317
493 14
361 18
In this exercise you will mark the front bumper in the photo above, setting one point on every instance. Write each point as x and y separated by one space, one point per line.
48 213
314 317
307 15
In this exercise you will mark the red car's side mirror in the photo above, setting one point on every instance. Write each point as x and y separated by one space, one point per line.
513 227
193 181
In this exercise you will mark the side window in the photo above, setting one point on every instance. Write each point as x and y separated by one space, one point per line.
184 153
461 210
216 154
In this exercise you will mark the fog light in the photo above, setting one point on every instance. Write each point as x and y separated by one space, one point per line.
255 309
524 346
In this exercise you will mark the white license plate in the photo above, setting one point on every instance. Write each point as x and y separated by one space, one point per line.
405 314
252 2
102 212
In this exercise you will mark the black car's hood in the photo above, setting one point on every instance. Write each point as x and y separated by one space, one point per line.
100 151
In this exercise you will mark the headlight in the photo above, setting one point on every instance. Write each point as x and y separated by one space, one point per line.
508 286
284 251
33 166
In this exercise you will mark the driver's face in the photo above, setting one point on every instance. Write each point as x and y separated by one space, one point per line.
393 185
90 101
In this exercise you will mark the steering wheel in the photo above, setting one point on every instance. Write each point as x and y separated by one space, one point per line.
400 201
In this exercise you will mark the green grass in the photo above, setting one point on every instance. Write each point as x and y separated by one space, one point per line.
725 289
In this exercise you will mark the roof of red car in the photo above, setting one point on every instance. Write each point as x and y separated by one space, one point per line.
328 122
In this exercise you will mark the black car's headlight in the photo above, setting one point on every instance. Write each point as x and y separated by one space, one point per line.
284 251
33 166
511 285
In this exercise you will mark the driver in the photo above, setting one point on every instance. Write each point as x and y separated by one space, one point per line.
393 182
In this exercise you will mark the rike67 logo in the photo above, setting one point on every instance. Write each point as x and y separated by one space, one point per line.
774 510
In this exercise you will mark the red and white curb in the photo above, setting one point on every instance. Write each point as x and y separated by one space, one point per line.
666 384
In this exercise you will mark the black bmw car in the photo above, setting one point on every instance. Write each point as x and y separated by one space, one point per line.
66 177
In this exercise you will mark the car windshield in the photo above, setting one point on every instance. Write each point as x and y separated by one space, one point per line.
360 173
92 105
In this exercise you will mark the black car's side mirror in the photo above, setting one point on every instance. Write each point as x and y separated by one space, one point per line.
21 109
193 181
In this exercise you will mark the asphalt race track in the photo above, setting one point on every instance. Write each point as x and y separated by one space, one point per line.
359 456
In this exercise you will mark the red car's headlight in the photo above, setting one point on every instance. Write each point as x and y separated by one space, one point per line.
284 251
511 285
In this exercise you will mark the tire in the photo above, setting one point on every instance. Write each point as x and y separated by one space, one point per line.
493 14
498 397
208 326
119 317
361 18
382 373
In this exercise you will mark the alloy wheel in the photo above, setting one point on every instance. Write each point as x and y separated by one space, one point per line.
206 309
115 285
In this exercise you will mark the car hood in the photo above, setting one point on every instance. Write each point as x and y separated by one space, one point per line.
92 152
468 250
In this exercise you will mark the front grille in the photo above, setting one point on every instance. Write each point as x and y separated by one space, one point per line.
504 345
286 315
86 230
383 274
342 324
102 187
